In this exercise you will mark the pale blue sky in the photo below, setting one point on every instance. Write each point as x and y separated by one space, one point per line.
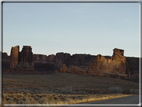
91 28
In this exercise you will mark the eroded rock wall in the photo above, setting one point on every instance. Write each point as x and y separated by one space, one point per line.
51 59
26 59
26 55
81 60
116 64
5 61
21 60
76 63
61 58
14 57
39 57
72 69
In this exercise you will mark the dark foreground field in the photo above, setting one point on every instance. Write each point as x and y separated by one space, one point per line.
63 88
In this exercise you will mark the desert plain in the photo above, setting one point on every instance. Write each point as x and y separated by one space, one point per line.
63 88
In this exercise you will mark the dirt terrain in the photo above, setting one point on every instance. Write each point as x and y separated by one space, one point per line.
55 87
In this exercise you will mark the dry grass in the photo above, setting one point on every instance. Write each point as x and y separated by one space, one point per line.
62 88
10 97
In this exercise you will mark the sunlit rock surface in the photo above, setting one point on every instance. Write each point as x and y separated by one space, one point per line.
14 57
117 64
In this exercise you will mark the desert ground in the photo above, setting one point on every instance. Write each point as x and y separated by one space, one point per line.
63 88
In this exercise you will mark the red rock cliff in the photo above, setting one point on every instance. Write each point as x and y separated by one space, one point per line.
26 55
21 60
14 57
116 64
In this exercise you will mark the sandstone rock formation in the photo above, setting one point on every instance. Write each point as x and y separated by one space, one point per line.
61 58
117 64
56 61
63 68
72 69
39 57
26 59
44 63
51 59
81 60
114 65
133 64
26 55
5 61
14 57
21 60
5 56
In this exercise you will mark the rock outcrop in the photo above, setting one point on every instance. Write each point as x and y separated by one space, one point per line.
133 64
51 59
26 59
5 56
14 57
61 58
117 64
26 55
44 63
5 61
21 60
72 69
39 57
36 57
81 60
